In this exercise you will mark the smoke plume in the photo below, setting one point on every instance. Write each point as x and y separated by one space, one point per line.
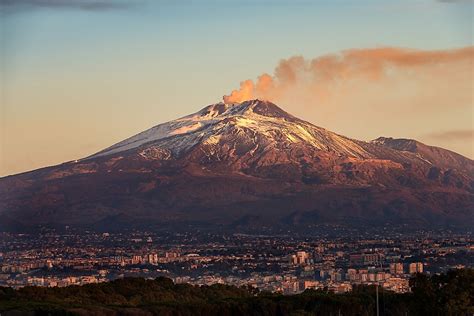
317 77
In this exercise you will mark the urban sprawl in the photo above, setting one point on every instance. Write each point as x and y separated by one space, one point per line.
282 263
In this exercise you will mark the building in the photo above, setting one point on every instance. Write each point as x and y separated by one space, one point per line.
152 258
381 276
310 284
397 285
396 268
171 255
335 276
355 259
370 258
49 264
364 259
415 267
351 275
301 257
137 259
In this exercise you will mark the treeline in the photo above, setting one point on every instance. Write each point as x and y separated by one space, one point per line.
448 294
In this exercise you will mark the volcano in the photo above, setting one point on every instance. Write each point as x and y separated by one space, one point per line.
245 166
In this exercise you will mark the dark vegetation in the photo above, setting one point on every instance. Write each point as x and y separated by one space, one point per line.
447 294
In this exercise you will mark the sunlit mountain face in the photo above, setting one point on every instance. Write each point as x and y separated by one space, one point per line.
245 166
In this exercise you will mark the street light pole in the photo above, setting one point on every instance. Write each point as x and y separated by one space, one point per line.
377 297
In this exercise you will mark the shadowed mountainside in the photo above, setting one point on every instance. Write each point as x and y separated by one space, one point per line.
245 166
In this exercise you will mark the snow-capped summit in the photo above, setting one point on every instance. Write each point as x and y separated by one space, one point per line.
256 118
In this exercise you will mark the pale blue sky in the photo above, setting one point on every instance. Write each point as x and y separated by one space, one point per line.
79 75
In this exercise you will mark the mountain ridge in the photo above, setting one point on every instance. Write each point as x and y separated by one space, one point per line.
431 153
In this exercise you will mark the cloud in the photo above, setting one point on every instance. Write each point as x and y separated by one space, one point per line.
453 135
88 5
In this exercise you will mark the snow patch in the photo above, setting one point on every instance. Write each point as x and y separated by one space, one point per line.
186 129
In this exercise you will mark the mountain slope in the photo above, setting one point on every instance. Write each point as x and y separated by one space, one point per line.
244 166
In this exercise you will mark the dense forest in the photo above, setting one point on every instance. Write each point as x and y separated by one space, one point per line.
447 294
